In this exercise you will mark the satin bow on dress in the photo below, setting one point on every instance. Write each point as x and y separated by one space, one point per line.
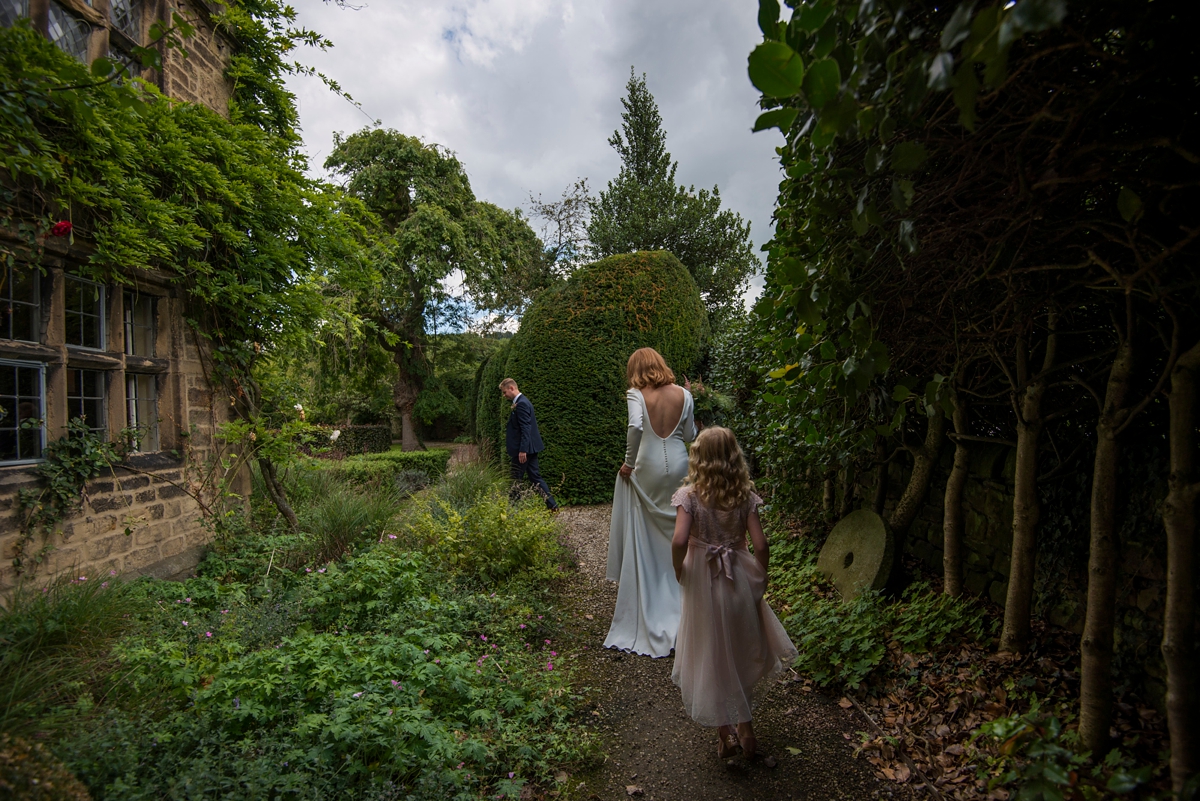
719 557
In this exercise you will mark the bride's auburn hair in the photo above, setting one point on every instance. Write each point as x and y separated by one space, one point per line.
647 368
717 469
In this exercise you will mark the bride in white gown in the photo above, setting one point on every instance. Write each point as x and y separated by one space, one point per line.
646 617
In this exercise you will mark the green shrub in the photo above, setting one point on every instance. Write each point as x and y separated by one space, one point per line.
570 354
342 518
360 439
29 771
491 410
360 681
491 539
390 468
842 643
468 484
53 643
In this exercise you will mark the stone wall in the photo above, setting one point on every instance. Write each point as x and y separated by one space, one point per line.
200 77
140 517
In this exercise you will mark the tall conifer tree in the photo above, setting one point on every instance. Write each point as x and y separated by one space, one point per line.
644 209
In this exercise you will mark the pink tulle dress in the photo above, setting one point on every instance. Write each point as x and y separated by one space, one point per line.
730 644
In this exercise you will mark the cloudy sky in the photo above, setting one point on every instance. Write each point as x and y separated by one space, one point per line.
527 92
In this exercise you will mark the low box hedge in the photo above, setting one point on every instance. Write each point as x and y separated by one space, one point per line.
354 440
391 466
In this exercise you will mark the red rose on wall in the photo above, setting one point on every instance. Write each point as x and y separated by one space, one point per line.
61 228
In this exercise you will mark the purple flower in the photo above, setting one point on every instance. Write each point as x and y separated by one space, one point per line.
554 653
483 637
549 666
208 634
185 622
522 625
357 695
511 774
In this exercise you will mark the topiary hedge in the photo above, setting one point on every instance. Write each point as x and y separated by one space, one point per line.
569 357
491 410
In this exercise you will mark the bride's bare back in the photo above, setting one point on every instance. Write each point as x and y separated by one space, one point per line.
664 406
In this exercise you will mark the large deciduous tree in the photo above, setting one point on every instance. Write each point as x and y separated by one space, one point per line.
431 229
644 209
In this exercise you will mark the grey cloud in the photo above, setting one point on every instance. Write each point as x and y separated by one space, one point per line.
527 92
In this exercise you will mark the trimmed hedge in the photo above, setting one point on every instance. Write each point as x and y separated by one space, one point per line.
389 467
491 410
569 357
360 439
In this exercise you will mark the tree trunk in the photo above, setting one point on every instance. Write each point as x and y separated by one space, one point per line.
924 461
1095 687
909 506
828 496
1179 619
276 491
404 395
1018 604
847 491
879 502
954 518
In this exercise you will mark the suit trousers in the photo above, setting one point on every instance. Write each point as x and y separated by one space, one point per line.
530 471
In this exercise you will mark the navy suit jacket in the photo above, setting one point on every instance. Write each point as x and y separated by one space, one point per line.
521 434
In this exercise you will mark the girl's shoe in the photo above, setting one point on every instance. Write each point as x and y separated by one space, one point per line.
726 742
747 740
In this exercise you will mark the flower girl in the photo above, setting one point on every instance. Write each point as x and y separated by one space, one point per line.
730 644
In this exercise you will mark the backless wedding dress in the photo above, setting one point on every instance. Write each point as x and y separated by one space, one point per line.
646 617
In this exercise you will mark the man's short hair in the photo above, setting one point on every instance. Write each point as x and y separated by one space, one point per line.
508 382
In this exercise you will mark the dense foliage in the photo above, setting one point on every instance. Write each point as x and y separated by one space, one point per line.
570 353
643 208
379 672
429 225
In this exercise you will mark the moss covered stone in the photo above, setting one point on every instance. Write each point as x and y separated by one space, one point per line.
569 358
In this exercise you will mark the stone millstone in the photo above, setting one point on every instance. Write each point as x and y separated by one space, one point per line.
858 554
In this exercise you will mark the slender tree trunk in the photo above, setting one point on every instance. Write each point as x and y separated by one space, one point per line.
1179 620
924 461
1018 606
847 491
828 495
1095 687
954 518
276 491
909 506
879 502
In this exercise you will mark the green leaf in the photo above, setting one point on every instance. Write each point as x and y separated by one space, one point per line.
941 72
908 237
959 26
102 67
781 118
900 393
1129 205
1035 16
822 82
908 156
768 18
902 194
799 169
776 70
866 121
812 17
966 90
874 160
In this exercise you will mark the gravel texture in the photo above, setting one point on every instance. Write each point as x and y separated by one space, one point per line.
653 751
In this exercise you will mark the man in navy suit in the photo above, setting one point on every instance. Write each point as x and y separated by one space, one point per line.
523 442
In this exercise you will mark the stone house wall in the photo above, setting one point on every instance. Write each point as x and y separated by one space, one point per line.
142 516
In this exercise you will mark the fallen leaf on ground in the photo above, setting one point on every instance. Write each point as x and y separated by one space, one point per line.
560 777
589 617
902 773
632 790
793 751
845 703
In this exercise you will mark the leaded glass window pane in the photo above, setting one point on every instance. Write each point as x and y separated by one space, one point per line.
139 324
84 313
13 10
69 32
20 314
133 67
85 399
127 17
141 394
21 411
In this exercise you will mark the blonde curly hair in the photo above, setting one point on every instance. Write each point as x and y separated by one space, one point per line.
717 469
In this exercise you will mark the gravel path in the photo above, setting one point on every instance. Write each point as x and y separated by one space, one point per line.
651 745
